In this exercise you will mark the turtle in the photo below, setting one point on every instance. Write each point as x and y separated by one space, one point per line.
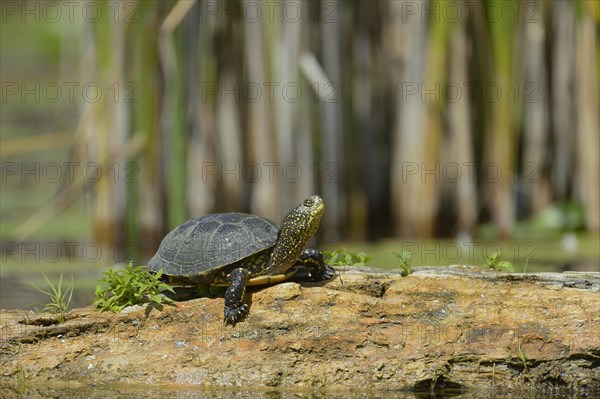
239 249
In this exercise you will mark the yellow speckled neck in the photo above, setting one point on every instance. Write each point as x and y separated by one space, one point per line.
297 227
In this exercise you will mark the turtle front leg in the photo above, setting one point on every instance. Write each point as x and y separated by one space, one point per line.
235 308
313 260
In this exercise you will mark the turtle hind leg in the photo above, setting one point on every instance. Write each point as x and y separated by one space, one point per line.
313 260
235 308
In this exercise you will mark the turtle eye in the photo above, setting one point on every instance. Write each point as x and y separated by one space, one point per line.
308 203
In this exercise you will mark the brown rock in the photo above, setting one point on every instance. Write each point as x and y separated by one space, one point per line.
439 327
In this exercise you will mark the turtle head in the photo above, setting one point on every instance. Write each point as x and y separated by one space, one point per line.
305 218
297 227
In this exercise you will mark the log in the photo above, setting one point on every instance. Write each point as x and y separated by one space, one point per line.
456 327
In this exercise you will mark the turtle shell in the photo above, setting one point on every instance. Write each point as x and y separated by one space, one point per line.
209 243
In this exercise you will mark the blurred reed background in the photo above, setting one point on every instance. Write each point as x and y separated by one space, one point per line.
411 118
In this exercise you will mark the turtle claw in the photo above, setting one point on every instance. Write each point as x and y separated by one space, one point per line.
318 269
328 273
235 314
235 308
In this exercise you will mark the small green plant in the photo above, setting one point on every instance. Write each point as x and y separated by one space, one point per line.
405 259
341 257
59 299
526 264
130 286
495 262
20 380
523 356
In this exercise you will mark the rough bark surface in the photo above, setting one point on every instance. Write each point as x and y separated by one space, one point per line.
456 327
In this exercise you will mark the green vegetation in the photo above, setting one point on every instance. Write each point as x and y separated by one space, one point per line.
59 299
405 259
20 380
130 286
495 262
341 257
542 254
522 356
